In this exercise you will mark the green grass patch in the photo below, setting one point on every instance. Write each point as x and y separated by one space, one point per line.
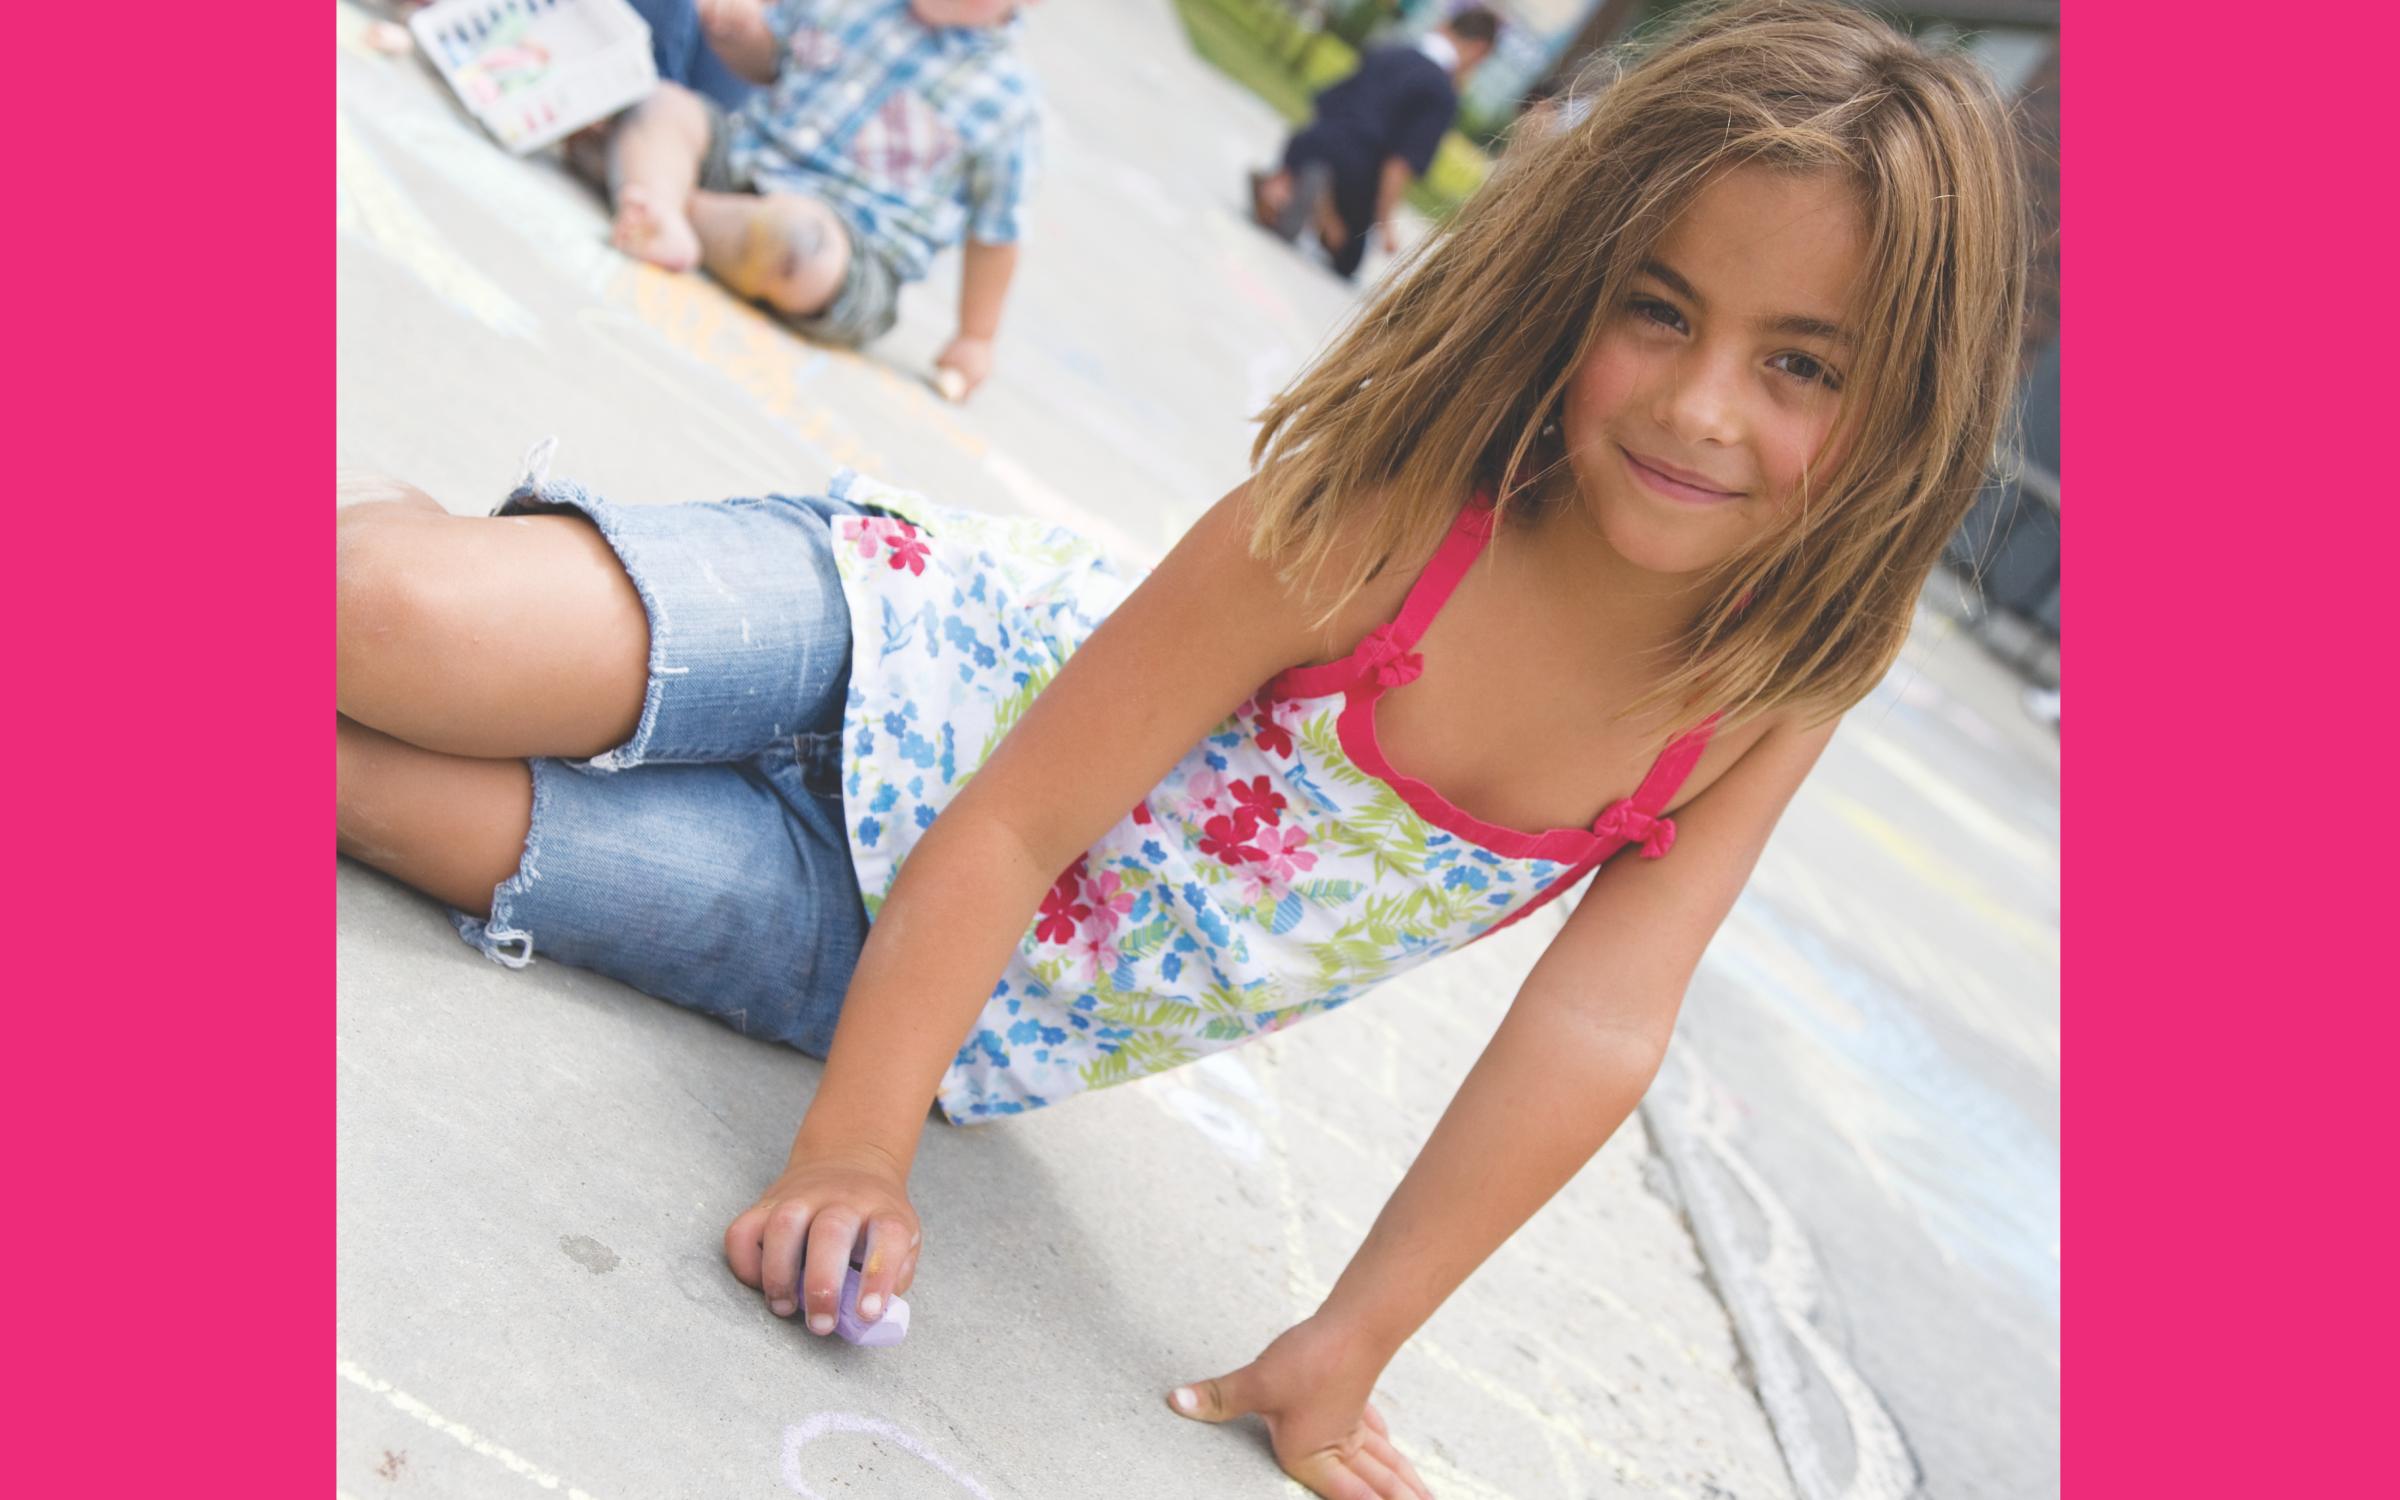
1256 43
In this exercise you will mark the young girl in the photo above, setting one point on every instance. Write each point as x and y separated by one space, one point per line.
1567 555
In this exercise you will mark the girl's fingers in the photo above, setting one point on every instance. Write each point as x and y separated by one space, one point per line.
1412 1484
830 1240
1374 1419
879 1270
1330 1477
745 1239
908 1274
1382 1481
779 1256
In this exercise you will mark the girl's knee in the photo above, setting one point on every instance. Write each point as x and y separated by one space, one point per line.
374 584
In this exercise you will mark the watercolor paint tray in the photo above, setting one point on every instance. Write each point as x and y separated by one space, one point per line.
534 71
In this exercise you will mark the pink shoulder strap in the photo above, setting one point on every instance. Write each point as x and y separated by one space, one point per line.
1433 587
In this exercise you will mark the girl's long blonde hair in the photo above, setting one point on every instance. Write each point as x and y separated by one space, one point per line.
1449 376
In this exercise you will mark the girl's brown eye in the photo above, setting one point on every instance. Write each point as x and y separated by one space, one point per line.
1810 369
1650 311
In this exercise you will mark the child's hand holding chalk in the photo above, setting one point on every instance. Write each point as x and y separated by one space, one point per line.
885 1331
962 366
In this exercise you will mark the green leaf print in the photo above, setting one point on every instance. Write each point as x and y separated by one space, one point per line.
1225 1000
1224 1029
1143 1053
1386 832
1347 960
1330 892
1150 1012
1143 940
1323 739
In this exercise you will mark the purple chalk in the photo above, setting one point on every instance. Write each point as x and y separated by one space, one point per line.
884 1332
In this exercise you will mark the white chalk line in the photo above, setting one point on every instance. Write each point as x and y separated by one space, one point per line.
800 1434
466 1437
1772 1299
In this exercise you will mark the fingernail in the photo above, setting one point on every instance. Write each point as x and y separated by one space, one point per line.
820 1323
1185 1399
870 1306
783 1307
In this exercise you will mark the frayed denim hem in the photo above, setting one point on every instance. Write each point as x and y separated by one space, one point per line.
538 494
498 937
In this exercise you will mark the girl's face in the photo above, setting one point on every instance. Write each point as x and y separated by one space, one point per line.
1715 386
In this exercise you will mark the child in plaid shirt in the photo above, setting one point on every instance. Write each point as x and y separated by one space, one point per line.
884 131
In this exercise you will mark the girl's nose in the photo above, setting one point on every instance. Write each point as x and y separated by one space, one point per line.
1699 404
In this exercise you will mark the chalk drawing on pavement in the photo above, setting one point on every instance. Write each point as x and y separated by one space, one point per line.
1772 1295
459 1432
799 1435
372 209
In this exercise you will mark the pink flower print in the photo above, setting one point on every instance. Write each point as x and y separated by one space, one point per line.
1206 789
908 551
1141 813
1062 915
1282 852
1276 721
1228 838
1260 881
1260 800
1095 949
1110 901
875 533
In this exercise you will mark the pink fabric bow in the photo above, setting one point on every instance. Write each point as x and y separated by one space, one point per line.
1623 820
1393 664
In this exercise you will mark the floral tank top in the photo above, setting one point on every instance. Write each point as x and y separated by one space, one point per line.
1280 868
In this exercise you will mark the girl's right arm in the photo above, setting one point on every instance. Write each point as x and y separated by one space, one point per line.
1167 666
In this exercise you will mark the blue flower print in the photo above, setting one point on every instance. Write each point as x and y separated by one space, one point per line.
887 796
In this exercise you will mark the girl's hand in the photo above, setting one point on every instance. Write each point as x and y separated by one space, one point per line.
1311 1385
827 1212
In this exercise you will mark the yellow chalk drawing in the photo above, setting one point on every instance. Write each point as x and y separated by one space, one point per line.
1936 871
371 207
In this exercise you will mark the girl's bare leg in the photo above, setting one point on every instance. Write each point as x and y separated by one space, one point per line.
452 826
485 636
784 249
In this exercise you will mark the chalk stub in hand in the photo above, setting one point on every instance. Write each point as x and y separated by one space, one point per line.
951 384
886 1331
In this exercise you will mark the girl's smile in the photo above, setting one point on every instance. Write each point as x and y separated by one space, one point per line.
1674 483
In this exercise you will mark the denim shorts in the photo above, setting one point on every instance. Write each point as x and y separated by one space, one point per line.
704 860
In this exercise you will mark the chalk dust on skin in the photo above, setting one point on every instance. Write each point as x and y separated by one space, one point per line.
588 1253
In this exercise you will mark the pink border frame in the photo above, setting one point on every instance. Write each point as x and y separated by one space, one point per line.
2228 1303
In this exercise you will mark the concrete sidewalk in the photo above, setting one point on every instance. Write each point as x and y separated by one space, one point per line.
537 1167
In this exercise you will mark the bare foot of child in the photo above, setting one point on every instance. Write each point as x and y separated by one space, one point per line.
647 232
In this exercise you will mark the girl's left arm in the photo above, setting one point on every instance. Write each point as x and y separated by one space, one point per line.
1573 1056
